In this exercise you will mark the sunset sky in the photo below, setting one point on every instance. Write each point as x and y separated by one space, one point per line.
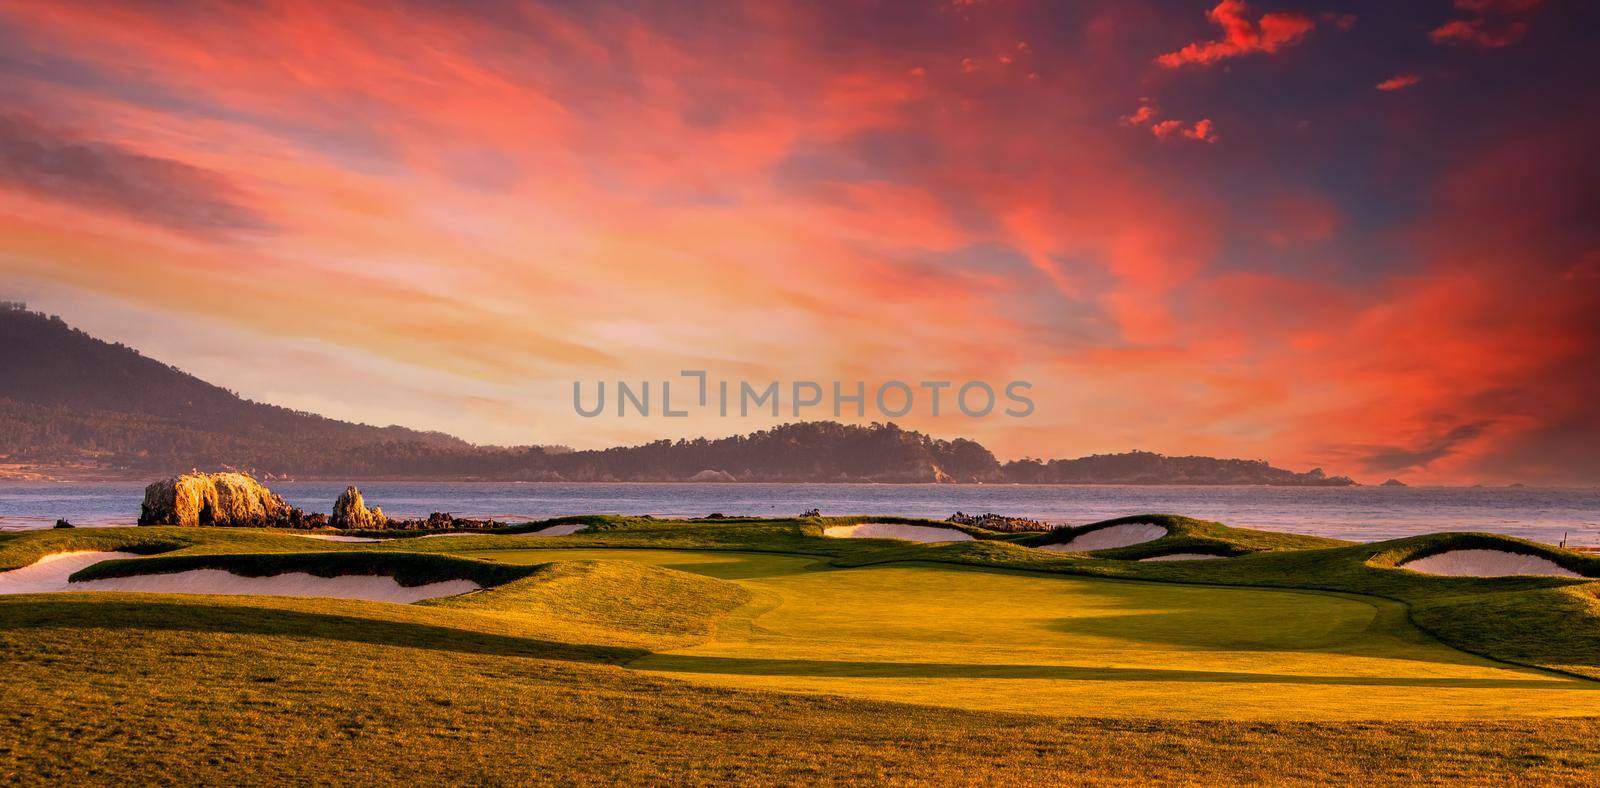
1361 236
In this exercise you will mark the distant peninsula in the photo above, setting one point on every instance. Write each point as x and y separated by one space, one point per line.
143 417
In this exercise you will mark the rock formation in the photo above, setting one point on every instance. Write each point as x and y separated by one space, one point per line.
221 499
998 522
350 511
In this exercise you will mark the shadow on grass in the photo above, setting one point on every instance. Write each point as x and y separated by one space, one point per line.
735 666
196 616
722 565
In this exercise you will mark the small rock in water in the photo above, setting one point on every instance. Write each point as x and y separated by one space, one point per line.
350 511
62 523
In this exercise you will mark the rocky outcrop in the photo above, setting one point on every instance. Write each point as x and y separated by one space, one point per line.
445 521
1393 483
350 511
220 499
998 522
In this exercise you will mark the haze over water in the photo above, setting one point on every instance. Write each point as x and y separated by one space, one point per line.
1365 514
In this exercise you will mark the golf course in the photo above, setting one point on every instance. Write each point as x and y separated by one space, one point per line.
607 649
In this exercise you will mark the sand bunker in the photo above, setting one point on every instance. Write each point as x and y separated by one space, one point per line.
1109 537
373 588
566 529
49 575
438 536
1183 557
909 533
339 538
1487 563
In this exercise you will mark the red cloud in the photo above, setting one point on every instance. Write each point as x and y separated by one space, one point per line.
1497 6
1201 130
1144 114
1399 82
1481 29
1479 32
1269 34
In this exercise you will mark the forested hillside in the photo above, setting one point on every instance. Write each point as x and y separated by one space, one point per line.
68 399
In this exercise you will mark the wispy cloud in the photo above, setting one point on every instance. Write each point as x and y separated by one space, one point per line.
55 164
1399 82
1488 24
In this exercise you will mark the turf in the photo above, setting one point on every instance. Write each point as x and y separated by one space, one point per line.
758 651
1021 642
207 690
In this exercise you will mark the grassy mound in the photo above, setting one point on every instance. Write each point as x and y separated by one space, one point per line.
609 602
1420 547
1186 535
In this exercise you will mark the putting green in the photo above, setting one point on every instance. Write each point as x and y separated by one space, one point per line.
1011 641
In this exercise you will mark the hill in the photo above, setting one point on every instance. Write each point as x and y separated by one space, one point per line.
66 397
69 400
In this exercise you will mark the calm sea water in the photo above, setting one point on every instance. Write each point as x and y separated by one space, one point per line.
1356 513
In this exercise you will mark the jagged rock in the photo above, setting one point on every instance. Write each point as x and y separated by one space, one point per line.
350 511
220 499
62 523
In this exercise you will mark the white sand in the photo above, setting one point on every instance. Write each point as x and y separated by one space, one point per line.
1112 536
339 538
439 536
1487 563
49 574
909 533
1183 557
374 588
559 530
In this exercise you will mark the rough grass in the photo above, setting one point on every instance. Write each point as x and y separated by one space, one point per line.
120 689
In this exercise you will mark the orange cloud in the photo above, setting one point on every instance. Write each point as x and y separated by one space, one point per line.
1270 33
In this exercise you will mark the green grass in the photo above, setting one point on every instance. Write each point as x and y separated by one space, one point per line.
747 650
211 690
1013 641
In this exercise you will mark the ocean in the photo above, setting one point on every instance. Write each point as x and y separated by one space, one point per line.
1366 514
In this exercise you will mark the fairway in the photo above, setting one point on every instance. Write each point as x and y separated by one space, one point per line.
1019 642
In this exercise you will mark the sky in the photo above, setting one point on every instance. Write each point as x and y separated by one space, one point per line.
1360 236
